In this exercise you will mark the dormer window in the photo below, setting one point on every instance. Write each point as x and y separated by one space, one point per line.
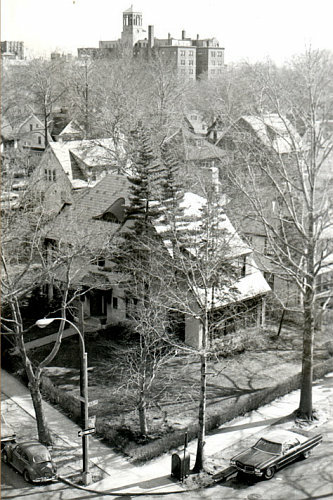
115 213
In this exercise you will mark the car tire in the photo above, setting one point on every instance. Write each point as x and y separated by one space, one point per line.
269 473
306 454
5 457
26 476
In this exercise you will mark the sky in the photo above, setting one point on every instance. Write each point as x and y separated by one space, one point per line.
249 30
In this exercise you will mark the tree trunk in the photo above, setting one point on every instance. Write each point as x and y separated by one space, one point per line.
305 406
143 417
200 457
44 434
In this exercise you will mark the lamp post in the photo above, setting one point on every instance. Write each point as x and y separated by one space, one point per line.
42 323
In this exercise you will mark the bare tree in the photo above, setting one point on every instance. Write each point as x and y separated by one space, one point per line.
280 183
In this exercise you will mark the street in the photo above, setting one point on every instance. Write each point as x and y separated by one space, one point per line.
304 479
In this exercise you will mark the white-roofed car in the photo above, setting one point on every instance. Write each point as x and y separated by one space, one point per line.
275 450
32 459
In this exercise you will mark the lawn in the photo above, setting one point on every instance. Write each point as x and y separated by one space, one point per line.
267 360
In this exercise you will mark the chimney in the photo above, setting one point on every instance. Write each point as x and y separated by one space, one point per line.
169 39
150 37
198 38
183 35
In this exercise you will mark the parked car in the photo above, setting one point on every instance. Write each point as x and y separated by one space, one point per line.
7 432
32 459
275 450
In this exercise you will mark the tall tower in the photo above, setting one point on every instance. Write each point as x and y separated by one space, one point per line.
132 27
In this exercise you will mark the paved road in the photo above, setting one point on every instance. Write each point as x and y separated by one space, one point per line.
308 479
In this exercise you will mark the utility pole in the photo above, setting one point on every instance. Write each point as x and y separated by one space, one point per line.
86 97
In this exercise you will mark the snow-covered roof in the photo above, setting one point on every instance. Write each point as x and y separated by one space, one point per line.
72 128
275 131
91 152
192 205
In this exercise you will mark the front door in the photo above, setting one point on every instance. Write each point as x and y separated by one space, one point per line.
97 303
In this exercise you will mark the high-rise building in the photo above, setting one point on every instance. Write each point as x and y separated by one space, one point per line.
12 49
191 58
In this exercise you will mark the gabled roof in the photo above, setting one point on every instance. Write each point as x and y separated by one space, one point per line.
81 219
72 128
274 131
74 155
195 148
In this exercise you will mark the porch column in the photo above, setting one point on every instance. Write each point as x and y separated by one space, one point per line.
263 312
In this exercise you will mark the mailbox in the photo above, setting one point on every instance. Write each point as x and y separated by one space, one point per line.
180 465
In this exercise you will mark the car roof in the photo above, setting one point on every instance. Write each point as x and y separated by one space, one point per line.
283 435
27 445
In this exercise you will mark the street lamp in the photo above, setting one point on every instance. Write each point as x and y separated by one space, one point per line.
42 323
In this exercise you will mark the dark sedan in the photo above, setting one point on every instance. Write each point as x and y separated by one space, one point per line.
31 459
275 450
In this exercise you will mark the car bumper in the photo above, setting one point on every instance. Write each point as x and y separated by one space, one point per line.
43 479
251 472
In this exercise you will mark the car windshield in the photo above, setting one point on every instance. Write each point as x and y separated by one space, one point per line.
41 456
268 446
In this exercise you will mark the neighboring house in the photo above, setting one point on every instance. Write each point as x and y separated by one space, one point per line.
68 166
270 138
196 123
270 131
199 159
31 135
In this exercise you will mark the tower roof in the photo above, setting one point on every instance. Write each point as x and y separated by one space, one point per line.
131 11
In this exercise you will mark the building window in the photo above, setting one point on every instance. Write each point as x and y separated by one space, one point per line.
213 53
190 53
182 53
191 62
182 62
115 302
190 71
219 54
213 63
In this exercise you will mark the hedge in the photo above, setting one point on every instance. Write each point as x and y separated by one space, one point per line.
233 407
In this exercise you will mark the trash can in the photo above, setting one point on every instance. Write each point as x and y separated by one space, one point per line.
180 465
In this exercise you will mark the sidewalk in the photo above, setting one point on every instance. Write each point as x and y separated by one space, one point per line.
154 476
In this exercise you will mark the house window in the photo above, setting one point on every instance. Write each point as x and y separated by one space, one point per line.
50 175
39 140
45 174
31 127
115 302
54 175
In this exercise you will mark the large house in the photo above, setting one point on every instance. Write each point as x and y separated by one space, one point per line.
96 214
